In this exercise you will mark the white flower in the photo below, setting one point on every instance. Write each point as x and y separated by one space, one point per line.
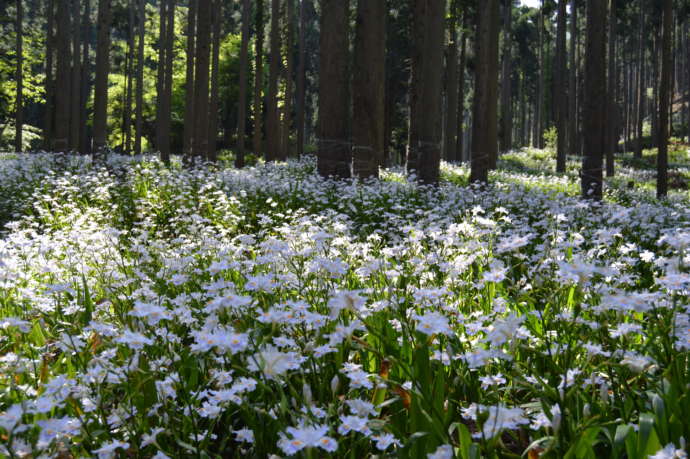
107 451
433 323
305 437
273 363
442 452
669 452
244 435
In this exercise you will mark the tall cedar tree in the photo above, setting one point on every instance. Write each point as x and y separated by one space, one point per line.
451 81
49 115
259 78
215 62
334 102
160 77
664 100
572 84
63 84
75 90
595 92
485 122
139 123
85 77
188 130
129 71
561 101
506 128
244 70
100 101
167 79
641 86
201 79
19 105
460 148
289 70
272 119
369 88
424 144
301 75
611 90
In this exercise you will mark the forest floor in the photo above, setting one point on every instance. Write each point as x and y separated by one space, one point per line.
213 312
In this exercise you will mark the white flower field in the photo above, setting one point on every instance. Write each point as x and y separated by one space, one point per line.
148 312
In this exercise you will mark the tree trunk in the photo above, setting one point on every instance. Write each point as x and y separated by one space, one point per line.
213 104
611 122
641 96
451 130
201 79
595 92
100 100
369 88
334 102
140 78
424 146
49 115
484 119
189 120
259 78
655 90
572 84
63 83
506 137
460 148
539 118
285 149
244 68
19 104
84 146
129 66
75 90
665 97
160 76
561 101
301 77
272 118
168 81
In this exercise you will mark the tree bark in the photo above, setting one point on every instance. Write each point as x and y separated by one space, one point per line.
301 76
201 80
539 115
561 101
484 119
160 76
49 115
19 103
424 145
665 97
334 102
189 120
272 117
168 81
460 148
100 102
259 78
140 78
506 131
129 70
75 90
213 104
641 96
84 146
451 130
369 88
611 119
285 149
595 92
244 70
572 84
63 83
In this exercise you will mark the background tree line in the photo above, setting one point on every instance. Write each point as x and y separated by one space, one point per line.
364 83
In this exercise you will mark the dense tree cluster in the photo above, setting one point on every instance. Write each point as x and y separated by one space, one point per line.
364 83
